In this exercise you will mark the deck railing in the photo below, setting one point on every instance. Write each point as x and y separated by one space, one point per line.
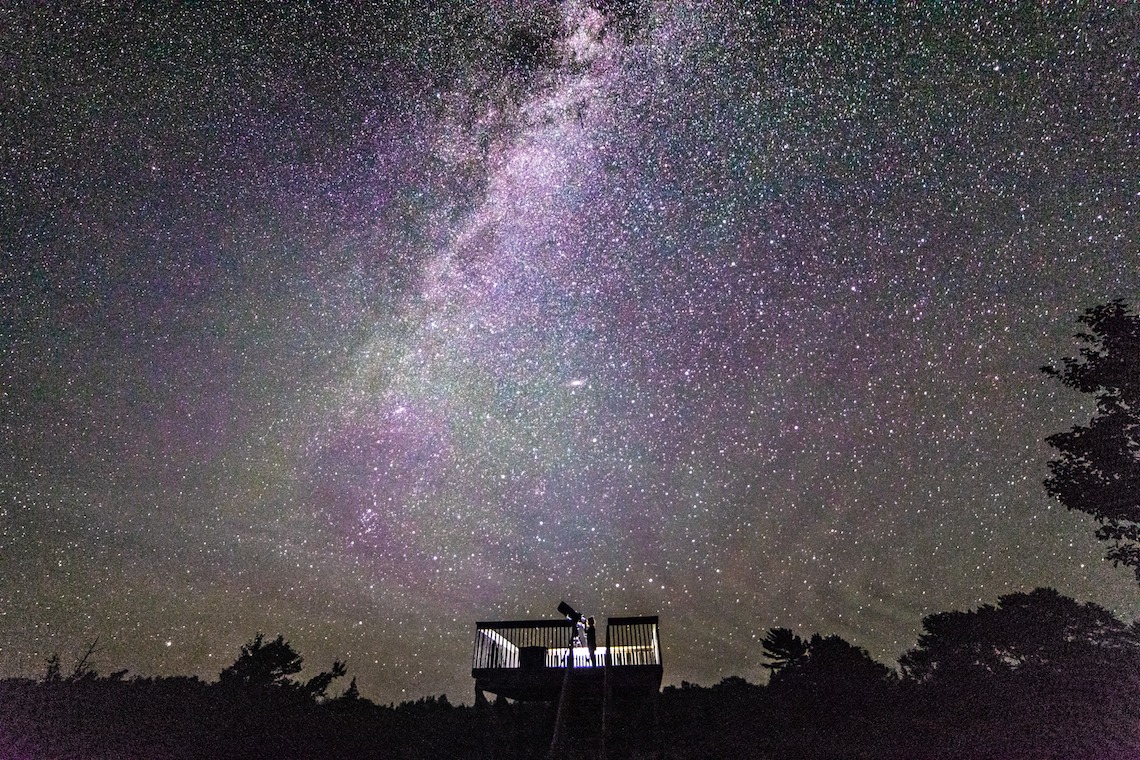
520 643
630 641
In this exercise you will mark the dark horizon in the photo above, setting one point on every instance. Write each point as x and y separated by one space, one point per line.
1035 675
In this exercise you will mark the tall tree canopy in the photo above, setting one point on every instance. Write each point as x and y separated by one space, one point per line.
1039 675
1039 632
823 664
1097 468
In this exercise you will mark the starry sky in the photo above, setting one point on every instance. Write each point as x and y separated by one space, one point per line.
363 324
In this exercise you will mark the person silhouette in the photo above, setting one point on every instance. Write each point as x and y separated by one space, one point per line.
591 639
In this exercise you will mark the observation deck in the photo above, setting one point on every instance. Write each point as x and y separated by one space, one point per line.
529 659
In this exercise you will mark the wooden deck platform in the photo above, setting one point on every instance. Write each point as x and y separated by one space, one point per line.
528 659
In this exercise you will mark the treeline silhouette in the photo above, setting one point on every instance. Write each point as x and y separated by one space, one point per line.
1038 675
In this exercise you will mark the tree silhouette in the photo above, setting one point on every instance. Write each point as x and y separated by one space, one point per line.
1042 631
783 648
824 698
317 686
262 664
83 668
1037 675
836 665
270 664
1097 469
823 663
52 673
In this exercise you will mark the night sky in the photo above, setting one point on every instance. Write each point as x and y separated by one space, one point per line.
362 325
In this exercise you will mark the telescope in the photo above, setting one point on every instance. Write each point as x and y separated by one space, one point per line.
570 612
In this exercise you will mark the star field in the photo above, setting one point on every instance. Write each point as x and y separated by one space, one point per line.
361 325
